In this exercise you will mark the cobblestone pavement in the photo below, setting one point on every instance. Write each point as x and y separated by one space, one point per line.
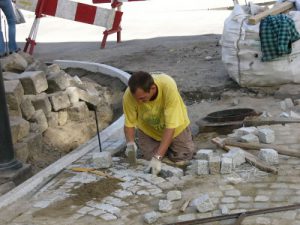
69 198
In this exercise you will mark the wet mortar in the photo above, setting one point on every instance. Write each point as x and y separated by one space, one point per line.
85 193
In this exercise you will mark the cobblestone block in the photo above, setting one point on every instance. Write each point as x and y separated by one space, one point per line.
38 122
266 135
52 119
237 155
78 111
57 81
249 138
108 217
42 102
102 160
27 107
268 155
19 128
174 195
13 93
62 117
246 130
33 82
186 217
214 164
202 167
170 171
21 151
226 165
151 217
203 203
233 193
204 154
59 100
165 205
261 198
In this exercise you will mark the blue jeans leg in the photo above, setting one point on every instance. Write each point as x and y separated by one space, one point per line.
6 7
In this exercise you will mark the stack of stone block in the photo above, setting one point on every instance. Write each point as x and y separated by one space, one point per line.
207 162
263 135
41 98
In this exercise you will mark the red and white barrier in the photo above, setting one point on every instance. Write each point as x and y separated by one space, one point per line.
75 11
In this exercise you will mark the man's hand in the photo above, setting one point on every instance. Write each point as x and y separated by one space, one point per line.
154 166
129 147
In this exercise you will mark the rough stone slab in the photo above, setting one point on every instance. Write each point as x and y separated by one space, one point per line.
33 82
59 100
73 93
14 63
88 97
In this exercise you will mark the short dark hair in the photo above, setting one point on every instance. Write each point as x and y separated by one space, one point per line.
140 79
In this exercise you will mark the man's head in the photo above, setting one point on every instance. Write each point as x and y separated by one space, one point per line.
142 86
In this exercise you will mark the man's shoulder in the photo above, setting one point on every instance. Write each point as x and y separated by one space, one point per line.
162 77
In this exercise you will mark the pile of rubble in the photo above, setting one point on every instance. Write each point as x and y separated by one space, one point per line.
49 108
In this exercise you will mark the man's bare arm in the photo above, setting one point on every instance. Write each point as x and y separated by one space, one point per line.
129 134
165 141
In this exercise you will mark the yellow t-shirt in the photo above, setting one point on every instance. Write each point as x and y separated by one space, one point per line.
166 111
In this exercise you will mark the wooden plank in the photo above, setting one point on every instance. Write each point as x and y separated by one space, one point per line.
252 159
278 8
257 121
257 146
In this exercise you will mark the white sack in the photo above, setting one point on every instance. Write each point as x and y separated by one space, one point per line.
241 53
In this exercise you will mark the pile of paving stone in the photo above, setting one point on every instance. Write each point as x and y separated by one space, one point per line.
49 107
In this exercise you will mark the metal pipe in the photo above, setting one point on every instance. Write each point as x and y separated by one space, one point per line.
238 215
98 134
7 156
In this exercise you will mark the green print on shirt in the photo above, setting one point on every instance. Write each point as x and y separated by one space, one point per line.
154 117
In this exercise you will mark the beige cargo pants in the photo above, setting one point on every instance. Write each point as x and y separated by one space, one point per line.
181 148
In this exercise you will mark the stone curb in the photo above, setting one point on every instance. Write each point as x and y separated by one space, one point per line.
41 178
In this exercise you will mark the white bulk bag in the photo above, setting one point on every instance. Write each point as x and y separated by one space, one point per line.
241 53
